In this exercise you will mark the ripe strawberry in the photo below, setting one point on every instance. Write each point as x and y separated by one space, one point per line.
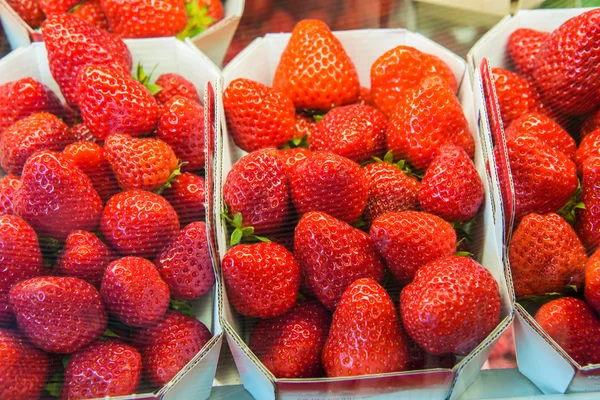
293 157
82 133
588 148
330 183
523 47
257 116
592 281
451 306
55 197
91 11
588 218
426 118
451 187
138 223
175 85
400 70
410 239
187 196
545 256
591 123
365 337
169 345
305 126
279 21
290 345
8 186
51 7
262 279
516 95
85 257
29 10
574 326
145 19
566 80
314 69
129 158
20 259
77 318
23 367
72 44
101 370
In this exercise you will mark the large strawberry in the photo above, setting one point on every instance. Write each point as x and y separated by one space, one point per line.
516 95
523 47
144 18
187 196
175 85
592 281
588 148
314 70
91 11
588 218
8 186
29 10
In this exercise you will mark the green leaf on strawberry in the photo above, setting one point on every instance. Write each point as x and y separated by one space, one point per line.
184 307
198 20
144 79
55 383
241 233
574 203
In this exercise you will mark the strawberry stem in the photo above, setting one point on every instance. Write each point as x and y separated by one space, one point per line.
141 77
295 143
568 211
184 307
241 233
198 20
172 177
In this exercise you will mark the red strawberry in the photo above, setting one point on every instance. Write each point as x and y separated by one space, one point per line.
565 79
428 117
138 223
293 157
592 281
410 239
82 133
84 257
187 196
262 279
279 21
305 126
451 187
591 123
451 306
23 368
91 11
77 317
257 116
290 345
400 70
72 44
8 186
574 326
169 345
545 256
175 85
523 46
330 183
365 337
145 19
55 197
314 69
516 95
588 148
51 7
588 218
332 255
29 10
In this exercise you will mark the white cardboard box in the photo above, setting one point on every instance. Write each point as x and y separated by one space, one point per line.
195 380
258 62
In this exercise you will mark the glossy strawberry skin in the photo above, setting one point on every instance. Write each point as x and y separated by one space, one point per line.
523 46
588 148
305 125
175 85
516 95
314 69
187 196
145 19
451 306
545 255
82 133
293 157
91 11
58 314
592 281
588 218
51 7
29 10
8 187
365 337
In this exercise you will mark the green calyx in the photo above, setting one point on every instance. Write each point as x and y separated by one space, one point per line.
144 79
184 307
241 233
295 143
568 211
172 178
198 20
402 165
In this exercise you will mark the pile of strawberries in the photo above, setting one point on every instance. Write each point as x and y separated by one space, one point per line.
102 236
550 109
334 230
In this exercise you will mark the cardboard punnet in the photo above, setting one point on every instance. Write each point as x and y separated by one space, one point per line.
213 42
258 62
539 358
195 380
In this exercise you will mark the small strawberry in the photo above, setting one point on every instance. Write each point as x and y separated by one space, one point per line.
365 337
588 218
51 7
451 306
175 85
145 19
304 127
545 256
592 281
516 95
293 157
8 187
523 47
588 148
77 316
591 123
187 196
29 10
314 70
91 11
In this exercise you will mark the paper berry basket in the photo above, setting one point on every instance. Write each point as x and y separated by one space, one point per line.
258 62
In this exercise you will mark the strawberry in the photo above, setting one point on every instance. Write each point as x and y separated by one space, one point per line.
545 255
356 132
23 368
111 101
77 318
566 80
574 326
588 218
102 369
51 7
185 263
267 273
426 118
523 47
279 21
82 133
91 11
55 197
257 116
591 123
138 223
305 125
400 70
451 187
187 196
175 85
134 292
129 158
293 157
170 345
365 337
516 95
72 44
314 70
588 148
451 306
145 19
8 186
592 281
29 10
85 257
20 258
290 345
330 183
410 239
332 255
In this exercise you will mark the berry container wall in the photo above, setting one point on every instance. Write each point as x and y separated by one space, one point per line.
539 357
258 62
195 380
